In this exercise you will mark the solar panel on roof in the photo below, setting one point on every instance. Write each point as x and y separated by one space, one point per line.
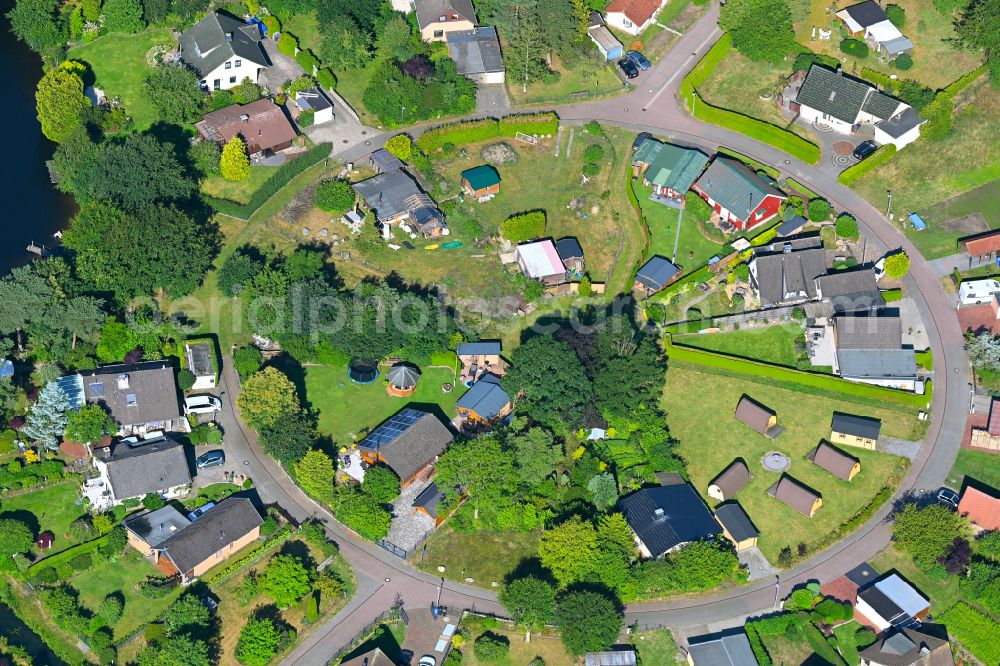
389 431
72 386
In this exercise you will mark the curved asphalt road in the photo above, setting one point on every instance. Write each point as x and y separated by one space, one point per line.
653 107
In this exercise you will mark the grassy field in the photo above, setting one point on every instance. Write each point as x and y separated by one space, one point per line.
845 641
590 79
694 247
936 63
483 556
546 647
346 410
121 577
788 651
806 419
119 65
979 465
737 82
656 646
53 509
773 344
945 224
915 188
240 190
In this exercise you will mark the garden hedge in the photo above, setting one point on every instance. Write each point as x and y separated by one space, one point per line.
975 630
281 177
965 80
471 131
875 160
760 130
752 163
524 226
66 556
815 380
892 295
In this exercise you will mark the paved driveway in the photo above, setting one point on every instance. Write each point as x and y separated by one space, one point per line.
283 68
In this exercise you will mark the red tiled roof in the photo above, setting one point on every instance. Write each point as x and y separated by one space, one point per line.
262 124
637 11
982 243
982 509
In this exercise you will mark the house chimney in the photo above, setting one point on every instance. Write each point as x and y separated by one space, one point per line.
245 118
787 249
840 70
658 513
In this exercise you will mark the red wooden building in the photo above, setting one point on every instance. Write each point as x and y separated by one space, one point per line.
738 196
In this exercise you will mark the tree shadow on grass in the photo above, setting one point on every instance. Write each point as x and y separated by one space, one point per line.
382 639
24 516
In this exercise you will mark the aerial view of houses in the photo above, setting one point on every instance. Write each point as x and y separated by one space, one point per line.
444 332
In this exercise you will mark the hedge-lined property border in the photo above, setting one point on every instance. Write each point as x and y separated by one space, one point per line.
964 81
818 381
470 131
65 555
872 162
975 630
773 135
285 173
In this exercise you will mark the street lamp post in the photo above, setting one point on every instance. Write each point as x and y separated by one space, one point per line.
888 210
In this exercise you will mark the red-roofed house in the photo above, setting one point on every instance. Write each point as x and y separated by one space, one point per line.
633 16
982 509
981 245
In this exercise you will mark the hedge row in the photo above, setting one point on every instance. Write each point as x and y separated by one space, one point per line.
892 295
65 556
278 538
875 160
815 380
471 131
975 630
765 132
281 177
965 80
524 226
752 163
925 359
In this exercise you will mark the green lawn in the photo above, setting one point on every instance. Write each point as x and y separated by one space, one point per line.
979 465
53 508
239 191
484 556
545 646
788 651
943 594
121 576
581 81
970 154
694 247
119 65
708 445
773 344
656 646
845 641
347 410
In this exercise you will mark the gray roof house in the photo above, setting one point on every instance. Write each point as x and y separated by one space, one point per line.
155 527
409 443
476 54
732 186
486 400
895 368
394 196
209 44
666 517
158 466
622 657
909 647
786 271
730 650
140 396
481 348
850 291
883 332
655 274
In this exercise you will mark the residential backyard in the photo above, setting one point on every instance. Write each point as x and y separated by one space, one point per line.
120 65
545 645
936 63
484 556
694 248
347 410
771 344
239 191
587 79
969 155
52 508
979 465
806 419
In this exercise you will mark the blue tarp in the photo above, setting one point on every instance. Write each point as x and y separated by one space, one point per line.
260 24
917 223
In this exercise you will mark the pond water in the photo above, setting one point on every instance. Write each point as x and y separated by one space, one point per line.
18 634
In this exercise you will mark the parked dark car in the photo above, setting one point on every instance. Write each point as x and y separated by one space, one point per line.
211 459
628 68
948 497
864 149
639 59
642 136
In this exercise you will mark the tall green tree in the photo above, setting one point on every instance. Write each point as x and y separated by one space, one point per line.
588 621
569 550
89 423
267 397
288 440
530 602
175 92
315 473
978 28
36 24
524 58
761 29
381 484
234 163
15 537
47 417
286 580
554 383
535 454
481 469
123 16
260 640
927 533
60 101
175 651
188 616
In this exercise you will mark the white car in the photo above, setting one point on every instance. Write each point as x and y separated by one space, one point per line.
427 660
973 292
202 404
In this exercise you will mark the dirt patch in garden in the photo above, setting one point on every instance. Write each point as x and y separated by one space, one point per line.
967 224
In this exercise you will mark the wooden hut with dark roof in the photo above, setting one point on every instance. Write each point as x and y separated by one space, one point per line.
835 461
730 481
758 417
794 494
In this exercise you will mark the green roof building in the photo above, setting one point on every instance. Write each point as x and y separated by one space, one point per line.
670 169
481 181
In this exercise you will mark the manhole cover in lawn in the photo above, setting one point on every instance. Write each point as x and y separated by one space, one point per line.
775 461
843 147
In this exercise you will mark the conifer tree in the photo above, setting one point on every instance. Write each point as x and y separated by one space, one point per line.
47 418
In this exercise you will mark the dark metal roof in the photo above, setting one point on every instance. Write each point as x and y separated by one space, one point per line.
656 273
850 291
735 187
901 123
736 521
732 650
866 13
148 468
408 441
155 527
135 394
384 161
833 93
231 519
881 604
862 575
569 248
313 98
481 348
217 38
403 376
859 426
481 176
732 479
475 51
485 398
667 516
429 498
791 226
877 363
869 332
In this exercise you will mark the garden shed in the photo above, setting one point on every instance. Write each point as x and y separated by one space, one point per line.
730 481
758 417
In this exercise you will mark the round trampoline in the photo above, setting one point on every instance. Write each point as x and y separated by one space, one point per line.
362 370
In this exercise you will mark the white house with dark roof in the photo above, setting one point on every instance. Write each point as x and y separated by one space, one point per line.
667 517
129 470
831 98
223 50
396 199
315 100
892 602
868 21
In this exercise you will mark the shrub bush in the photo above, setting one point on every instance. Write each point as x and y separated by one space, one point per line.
205 433
272 24
807 59
847 227
593 153
896 15
334 196
819 210
247 360
524 226
490 647
801 599
82 562
307 61
185 379
306 118
854 47
287 44
872 162
47 576
326 78
903 61
975 630
590 170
